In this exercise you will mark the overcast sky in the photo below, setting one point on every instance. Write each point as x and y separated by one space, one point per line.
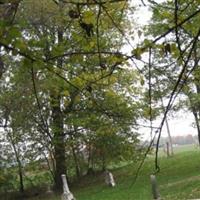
180 124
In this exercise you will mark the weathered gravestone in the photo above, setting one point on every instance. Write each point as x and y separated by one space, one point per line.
67 195
155 191
109 179
49 191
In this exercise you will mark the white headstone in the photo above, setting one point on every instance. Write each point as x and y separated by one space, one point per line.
109 179
67 195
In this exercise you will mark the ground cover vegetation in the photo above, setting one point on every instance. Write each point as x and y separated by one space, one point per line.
178 179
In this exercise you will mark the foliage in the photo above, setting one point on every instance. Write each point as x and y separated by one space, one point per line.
66 85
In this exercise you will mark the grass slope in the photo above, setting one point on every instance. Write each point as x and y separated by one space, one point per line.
179 178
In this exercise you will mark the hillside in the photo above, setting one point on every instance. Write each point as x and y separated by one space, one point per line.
179 178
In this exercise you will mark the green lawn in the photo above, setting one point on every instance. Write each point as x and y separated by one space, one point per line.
179 178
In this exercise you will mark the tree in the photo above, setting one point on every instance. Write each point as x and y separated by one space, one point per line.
68 60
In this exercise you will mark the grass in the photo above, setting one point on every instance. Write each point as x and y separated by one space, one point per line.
179 178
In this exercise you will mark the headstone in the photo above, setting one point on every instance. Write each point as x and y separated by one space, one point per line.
155 191
109 179
67 195
49 191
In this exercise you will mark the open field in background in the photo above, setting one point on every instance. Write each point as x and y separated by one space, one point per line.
184 148
180 149
179 178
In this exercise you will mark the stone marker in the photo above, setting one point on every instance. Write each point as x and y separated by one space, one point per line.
67 195
109 179
155 191
49 191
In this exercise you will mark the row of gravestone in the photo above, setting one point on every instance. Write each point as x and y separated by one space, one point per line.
109 180
67 195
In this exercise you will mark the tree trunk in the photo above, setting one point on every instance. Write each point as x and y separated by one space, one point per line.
168 131
103 162
166 121
197 124
58 124
170 138
89 155
197 114
21 187
58 141
21 183
167 148
19 165
76 162
90 169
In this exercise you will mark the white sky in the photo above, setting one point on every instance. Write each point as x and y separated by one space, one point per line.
180 124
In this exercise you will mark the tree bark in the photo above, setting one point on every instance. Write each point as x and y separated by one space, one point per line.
197 123
167 148
58 141
21 187
196 111
168 131
197 114
103 162
76 162
170 138
166 122
58 125
21 182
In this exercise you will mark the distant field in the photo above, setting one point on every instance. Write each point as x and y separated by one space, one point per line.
181 149
179 178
